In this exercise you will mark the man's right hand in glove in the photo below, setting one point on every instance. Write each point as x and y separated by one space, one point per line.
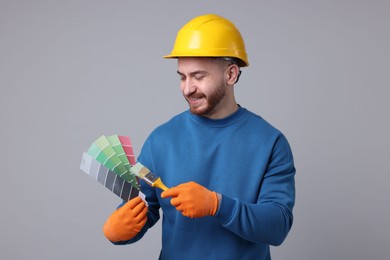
127 221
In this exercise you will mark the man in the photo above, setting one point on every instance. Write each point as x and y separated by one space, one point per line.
231 173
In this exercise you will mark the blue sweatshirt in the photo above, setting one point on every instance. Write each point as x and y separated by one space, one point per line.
241 157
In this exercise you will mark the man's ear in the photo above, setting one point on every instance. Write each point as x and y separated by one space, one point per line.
233 74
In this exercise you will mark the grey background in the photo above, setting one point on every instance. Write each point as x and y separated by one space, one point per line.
71 71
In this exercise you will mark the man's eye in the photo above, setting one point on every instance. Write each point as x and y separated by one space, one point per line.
199 77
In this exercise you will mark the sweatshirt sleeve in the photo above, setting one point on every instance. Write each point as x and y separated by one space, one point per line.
268 220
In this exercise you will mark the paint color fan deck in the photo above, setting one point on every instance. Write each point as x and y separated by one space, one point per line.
108 161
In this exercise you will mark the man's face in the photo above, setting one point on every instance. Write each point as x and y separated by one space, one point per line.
203 84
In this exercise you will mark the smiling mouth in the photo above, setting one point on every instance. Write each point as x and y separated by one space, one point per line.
193 100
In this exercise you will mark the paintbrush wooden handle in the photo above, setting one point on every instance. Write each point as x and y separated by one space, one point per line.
159 184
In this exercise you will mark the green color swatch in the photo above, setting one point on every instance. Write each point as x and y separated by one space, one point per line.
109 152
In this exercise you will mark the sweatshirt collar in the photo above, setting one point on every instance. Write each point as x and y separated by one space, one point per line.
221 122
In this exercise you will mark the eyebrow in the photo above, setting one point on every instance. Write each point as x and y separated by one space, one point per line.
193 73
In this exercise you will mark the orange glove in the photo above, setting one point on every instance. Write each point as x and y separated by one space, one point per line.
193 200
127 221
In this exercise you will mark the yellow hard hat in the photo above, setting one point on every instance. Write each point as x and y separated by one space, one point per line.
210 35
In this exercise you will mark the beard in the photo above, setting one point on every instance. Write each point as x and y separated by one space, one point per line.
212 101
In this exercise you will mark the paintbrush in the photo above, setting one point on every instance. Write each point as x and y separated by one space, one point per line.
145 174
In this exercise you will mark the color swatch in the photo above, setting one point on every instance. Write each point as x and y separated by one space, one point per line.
108 178
109 160
110 152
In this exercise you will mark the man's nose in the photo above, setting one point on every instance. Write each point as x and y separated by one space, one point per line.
188 87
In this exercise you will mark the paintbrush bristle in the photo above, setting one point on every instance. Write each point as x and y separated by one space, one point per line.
144 173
